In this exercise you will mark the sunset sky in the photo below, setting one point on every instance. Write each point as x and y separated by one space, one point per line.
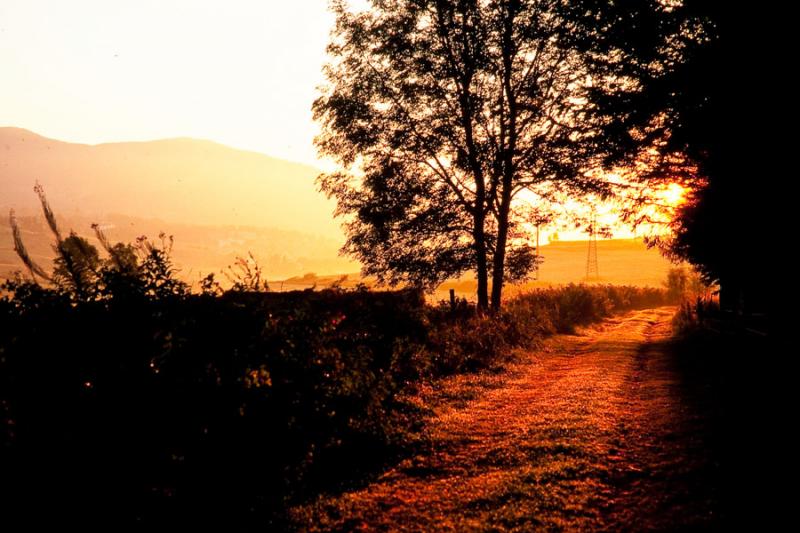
239 72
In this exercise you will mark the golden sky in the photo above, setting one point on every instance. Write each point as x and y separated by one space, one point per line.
239 72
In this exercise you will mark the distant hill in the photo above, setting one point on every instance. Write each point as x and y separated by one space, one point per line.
184 181
198 250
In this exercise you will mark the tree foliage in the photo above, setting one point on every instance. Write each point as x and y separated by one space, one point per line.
442 112
723 101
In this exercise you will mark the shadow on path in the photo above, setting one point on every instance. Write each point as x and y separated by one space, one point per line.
614 428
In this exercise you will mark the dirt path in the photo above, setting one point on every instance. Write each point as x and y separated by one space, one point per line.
593 432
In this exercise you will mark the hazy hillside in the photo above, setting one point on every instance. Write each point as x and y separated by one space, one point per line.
176 180
198 250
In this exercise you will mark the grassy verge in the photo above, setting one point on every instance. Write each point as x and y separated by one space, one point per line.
461 340
154 406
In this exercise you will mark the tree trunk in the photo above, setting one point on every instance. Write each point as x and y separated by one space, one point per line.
507 157
499 259
480 261
498 266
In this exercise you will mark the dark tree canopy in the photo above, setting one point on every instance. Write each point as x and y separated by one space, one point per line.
726 101
442 112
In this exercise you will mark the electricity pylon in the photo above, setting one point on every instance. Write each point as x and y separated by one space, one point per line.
592 272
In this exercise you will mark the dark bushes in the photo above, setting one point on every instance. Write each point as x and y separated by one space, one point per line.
460 340
159 407
197 408
127 401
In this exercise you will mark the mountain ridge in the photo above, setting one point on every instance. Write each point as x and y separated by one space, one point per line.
181 180
165 140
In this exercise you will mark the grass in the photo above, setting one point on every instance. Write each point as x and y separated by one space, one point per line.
462 341
220 408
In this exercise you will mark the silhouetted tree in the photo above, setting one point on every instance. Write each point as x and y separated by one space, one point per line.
443 111
724 104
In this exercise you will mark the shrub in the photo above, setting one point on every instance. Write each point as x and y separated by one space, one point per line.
683 283
159 408
460 340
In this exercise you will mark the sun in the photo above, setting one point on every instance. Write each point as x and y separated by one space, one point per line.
673 195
